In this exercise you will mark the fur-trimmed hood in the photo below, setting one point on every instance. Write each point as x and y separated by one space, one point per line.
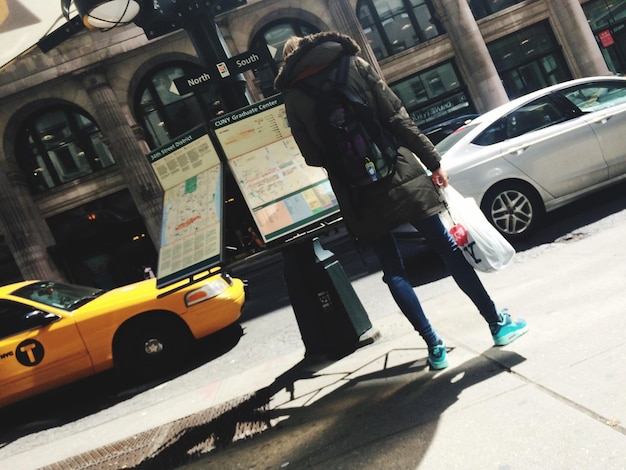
314 52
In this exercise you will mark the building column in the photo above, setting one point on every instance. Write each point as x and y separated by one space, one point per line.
472 55
129 153
577 39
346 22
22 225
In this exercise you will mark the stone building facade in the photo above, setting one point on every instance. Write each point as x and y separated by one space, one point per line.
78 198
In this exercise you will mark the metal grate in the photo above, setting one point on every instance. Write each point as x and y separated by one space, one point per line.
181 441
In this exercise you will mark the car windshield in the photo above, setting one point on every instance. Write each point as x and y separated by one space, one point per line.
447 143
59 295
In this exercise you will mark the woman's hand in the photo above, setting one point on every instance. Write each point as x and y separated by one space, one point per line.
440 177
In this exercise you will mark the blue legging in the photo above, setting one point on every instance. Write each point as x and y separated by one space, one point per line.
394 275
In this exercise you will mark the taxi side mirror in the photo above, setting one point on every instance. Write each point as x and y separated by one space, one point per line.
39 318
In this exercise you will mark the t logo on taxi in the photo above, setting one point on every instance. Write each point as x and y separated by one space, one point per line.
29 352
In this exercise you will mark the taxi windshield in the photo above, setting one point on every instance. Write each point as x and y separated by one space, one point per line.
59 295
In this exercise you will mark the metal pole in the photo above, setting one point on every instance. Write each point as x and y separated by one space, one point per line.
197 18
203 33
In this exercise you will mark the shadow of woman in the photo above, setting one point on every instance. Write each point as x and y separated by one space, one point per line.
316 416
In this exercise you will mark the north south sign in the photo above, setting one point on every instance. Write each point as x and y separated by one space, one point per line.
232 66
247 61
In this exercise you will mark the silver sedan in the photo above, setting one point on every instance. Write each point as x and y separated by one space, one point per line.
540 151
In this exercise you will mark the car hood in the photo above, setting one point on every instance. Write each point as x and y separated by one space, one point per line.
135 295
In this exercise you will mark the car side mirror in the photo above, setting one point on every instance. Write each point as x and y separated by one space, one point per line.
41 318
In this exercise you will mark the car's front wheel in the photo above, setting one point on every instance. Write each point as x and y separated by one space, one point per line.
514 208
149 347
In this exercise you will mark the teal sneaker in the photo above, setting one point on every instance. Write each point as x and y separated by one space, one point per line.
507 330
437 356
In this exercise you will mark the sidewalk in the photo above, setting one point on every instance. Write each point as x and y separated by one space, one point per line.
553 399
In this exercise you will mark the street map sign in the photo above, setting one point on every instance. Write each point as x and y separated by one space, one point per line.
287 198
189 170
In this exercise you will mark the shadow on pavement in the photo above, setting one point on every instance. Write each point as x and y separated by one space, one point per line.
343 419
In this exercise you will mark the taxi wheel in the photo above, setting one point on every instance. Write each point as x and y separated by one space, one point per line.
150 347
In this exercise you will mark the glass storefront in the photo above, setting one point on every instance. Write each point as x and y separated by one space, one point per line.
434 95
529 59
608 23
102 243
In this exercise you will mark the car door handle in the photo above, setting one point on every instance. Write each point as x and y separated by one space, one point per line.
519 150
602 119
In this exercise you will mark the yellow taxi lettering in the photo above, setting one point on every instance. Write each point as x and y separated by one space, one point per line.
5 355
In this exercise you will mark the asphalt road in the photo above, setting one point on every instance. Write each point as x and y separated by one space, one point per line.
268 328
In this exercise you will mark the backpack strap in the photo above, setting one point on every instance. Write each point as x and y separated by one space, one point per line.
342 71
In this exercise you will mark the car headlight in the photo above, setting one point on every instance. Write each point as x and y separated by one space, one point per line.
209 290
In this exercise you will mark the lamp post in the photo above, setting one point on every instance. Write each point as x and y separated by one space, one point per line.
159 17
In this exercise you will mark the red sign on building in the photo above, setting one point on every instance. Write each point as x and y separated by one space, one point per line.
606 38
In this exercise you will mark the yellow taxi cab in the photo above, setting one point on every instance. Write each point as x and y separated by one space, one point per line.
54 333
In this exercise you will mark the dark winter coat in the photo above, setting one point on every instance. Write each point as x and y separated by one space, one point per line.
374 210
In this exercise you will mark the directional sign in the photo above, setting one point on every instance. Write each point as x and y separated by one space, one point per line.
232 66
184 85
240 63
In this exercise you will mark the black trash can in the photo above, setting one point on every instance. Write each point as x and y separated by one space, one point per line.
331 317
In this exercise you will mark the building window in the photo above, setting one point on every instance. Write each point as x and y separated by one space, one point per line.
434 95
60 144
528 60
392 26
483 8
275 35
601 13
166 112
608 22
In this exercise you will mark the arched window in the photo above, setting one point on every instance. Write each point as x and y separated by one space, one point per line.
276 35
59 144
165 112
392 26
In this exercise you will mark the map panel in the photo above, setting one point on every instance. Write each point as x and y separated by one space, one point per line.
189 170
191 222
183 158
252 128
283 193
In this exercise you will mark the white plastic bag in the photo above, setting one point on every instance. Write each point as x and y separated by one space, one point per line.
483 246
